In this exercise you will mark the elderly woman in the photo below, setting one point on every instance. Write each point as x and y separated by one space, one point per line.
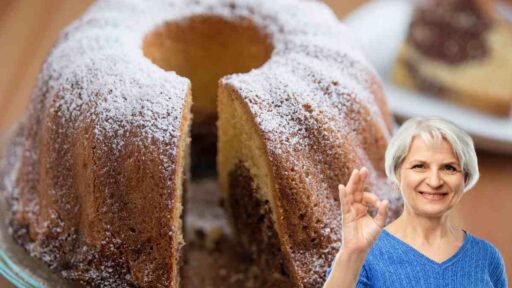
433 163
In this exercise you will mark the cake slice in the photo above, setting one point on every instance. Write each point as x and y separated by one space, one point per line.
459 50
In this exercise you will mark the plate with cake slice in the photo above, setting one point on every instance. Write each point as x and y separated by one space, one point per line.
443 58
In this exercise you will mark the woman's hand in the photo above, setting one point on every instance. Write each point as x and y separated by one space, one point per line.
360 230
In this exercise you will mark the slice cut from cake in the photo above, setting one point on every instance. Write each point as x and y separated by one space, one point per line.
285 145
459 50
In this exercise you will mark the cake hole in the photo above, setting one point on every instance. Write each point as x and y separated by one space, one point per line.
204 49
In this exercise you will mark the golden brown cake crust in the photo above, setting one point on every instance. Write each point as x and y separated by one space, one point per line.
103 240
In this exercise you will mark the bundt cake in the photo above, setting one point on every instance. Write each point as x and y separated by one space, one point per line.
100 165
459 50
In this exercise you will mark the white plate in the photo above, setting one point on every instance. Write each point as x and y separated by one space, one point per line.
380 27
504 9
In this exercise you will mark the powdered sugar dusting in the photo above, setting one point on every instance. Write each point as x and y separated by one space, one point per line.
99 70
316 82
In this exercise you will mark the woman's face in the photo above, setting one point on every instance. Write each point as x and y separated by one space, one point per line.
431 178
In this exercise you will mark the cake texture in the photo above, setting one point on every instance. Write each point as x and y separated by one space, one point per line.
459 50
98 169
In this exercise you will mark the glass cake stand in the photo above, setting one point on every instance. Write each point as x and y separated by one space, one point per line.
18 267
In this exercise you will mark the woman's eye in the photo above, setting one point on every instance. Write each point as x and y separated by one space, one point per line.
450 168
417 166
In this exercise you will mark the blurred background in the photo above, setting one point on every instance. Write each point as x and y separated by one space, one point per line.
28 29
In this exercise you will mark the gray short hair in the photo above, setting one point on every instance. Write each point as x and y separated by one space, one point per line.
433 130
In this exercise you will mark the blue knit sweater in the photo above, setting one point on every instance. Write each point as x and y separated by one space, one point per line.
394 263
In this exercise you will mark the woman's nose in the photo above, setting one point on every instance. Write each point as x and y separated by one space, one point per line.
434 180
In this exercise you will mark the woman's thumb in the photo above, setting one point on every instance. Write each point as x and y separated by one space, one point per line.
382 213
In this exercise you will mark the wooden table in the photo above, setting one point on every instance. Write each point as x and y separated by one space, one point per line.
29 28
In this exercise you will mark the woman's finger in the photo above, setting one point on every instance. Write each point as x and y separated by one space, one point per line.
343 198
352 183
371 199
345 203
382 213
358 192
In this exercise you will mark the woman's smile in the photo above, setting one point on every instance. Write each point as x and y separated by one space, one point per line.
436 196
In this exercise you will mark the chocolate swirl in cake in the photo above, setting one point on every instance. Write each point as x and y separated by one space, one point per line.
450 30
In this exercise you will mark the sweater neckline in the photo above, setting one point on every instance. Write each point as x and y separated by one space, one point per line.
427 259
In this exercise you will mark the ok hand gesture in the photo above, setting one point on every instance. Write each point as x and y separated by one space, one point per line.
360 230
